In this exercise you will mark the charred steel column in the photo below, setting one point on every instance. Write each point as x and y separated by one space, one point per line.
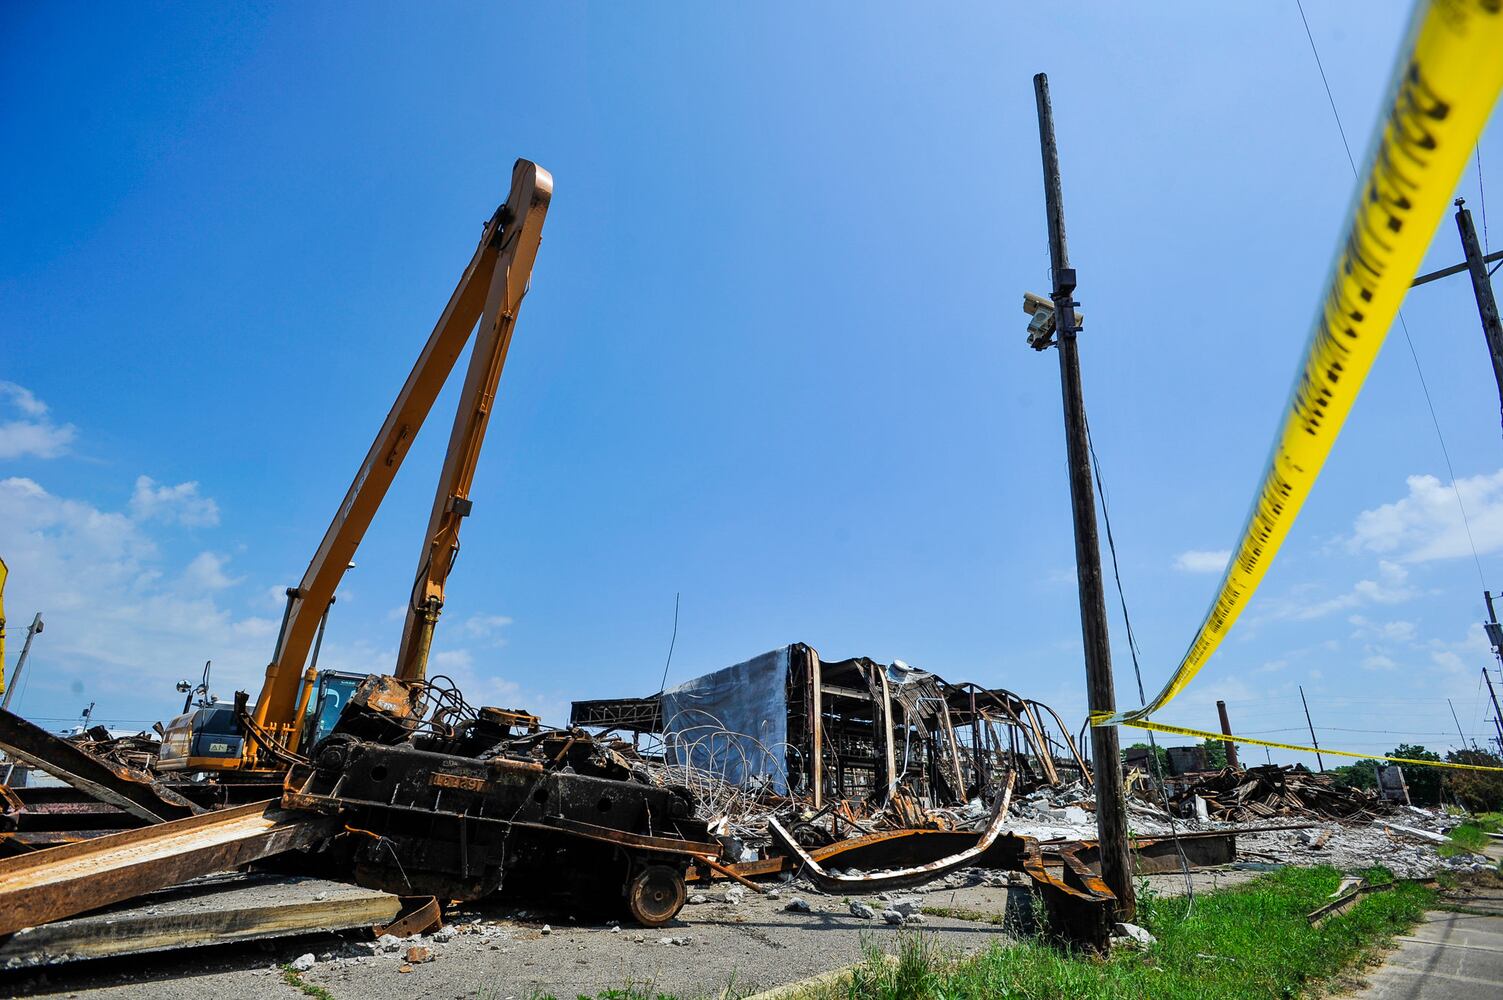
1111 811
1226 730
1482 288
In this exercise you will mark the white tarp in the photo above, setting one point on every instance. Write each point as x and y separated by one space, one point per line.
733 722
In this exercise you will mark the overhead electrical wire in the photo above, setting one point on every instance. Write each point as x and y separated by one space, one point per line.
1403 325
1132 648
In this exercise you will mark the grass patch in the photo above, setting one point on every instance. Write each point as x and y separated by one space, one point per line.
962 913
1468 838
291 978
1250 941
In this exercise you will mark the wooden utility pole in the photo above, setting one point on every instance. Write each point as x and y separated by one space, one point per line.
1226 730
1482 288
1313 741
1101 696
15 675
1475 264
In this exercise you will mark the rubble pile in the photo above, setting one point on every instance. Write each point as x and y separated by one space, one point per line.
1272 791
138 752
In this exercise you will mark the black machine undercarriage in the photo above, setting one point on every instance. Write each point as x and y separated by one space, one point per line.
468 808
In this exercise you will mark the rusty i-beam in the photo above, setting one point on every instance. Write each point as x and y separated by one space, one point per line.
64 881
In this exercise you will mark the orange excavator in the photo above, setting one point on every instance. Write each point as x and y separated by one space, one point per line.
297 704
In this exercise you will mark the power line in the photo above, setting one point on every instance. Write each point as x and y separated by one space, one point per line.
1482 198
671 643
1403 325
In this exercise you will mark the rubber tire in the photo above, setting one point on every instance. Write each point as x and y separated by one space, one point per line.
655 895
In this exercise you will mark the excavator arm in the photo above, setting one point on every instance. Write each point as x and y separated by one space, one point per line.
451 501
488 293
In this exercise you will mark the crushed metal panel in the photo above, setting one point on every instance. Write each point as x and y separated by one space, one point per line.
107 781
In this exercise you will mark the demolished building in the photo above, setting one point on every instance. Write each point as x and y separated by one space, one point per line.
790 724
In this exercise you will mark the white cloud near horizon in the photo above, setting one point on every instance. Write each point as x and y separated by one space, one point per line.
34 433
1426 524
1202 560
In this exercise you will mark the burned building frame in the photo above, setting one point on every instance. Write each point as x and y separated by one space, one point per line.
852 729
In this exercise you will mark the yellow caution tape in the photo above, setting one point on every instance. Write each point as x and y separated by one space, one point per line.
1443 91
1159 727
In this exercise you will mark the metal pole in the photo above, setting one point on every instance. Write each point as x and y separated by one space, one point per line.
1313 741
1493 634
15 675
1482 288
1226 730
1111 810
1458 725
1497 712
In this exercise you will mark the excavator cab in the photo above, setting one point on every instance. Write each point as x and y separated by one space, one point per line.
207 738
329 698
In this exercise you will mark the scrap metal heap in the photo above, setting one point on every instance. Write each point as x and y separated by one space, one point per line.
1270 791
436 798
842 748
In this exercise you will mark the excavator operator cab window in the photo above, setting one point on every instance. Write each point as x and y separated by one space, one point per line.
334 689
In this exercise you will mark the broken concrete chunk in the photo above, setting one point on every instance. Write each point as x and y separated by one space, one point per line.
906 905
796 905
1136 934
303 962
546 929
445 934
893 917
697 899
860 909
388 943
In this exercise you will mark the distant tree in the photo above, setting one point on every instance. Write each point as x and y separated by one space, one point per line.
1163 758
1478 791
1363 774
1423 782
1215 754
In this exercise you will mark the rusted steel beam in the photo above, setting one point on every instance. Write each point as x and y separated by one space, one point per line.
725 870
62 881
904 876
420 914
114 783
1152 855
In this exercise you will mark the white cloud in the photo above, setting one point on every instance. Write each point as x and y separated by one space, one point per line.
1427 524
1389 587
180 504
23 399
1378 661
1202 561
34 434
486 627
206 572
123 621
1396 631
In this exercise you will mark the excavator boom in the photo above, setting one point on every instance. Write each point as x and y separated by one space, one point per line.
451 500
489 292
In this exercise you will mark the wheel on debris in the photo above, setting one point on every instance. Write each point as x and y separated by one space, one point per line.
654 895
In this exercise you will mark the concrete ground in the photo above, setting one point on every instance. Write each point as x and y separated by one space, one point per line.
1455 954
495 954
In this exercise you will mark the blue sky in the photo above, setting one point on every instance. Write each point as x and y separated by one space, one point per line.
772 359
